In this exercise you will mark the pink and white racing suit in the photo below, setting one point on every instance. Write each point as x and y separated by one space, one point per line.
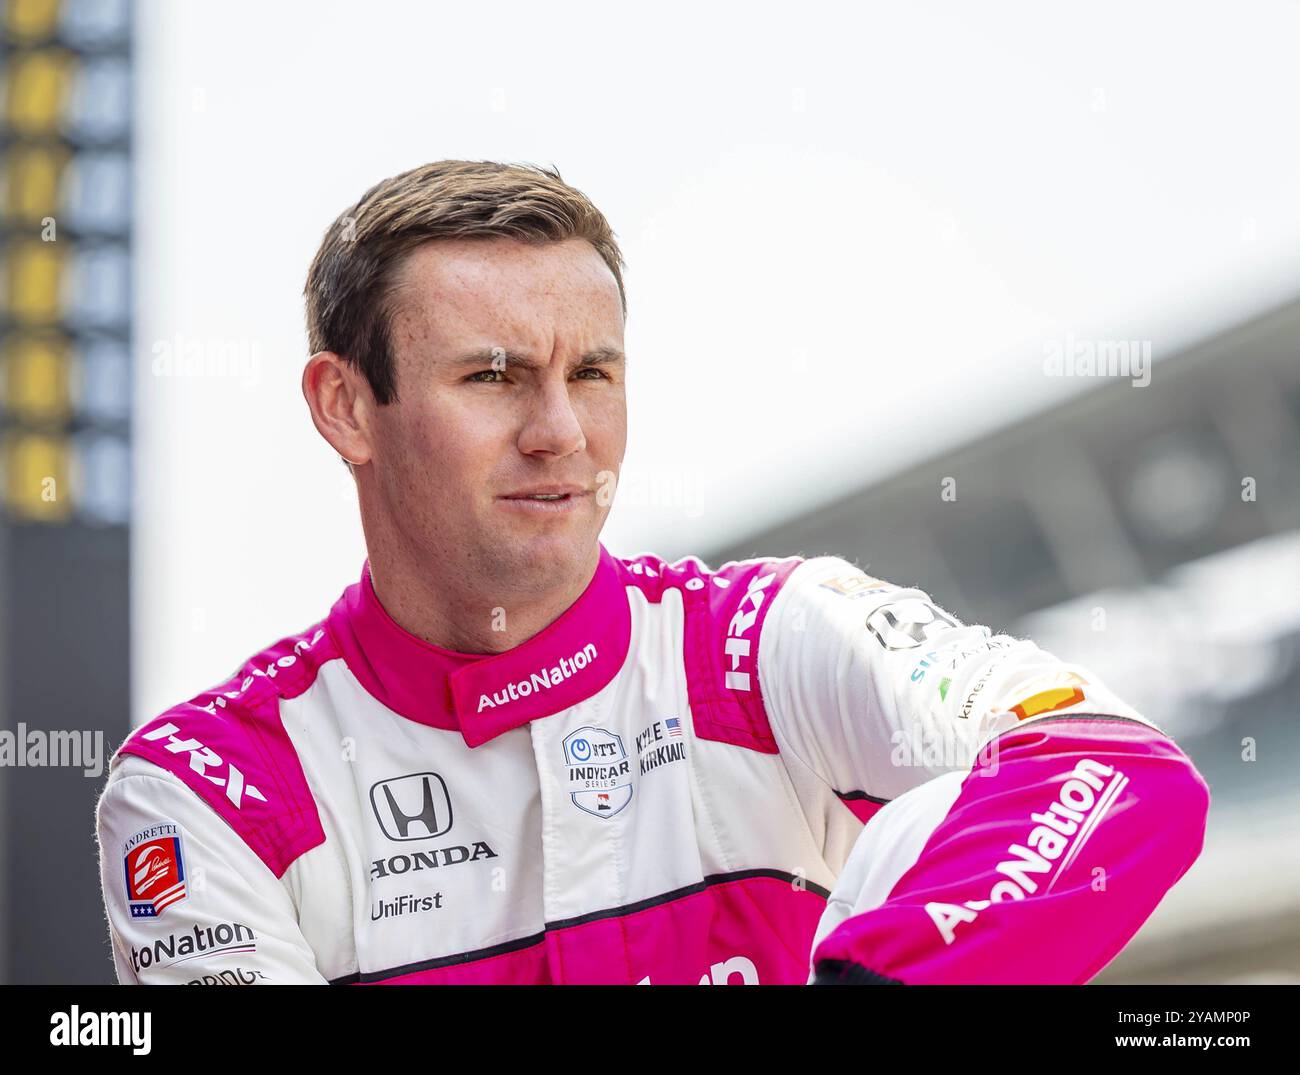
776 771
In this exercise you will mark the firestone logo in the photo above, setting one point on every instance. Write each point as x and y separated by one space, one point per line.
1058 835
269 672
203 758
737 645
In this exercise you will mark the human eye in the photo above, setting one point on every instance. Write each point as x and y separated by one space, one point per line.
599 373
486 377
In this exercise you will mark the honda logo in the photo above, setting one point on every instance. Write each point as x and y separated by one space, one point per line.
413 807
907 624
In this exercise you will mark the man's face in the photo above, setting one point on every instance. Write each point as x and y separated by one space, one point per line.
511 414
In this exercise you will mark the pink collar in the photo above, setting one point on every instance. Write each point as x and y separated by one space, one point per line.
483 696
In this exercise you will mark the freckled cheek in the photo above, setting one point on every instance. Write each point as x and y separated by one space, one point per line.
605 427
449 427
466 448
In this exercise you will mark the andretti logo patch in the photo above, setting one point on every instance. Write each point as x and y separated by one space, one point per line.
600 775
155 870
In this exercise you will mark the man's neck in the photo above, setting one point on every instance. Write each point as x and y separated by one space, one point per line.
468 619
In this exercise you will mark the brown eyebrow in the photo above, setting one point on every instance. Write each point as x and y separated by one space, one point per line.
485 356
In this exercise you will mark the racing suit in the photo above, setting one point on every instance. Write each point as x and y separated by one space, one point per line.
778 772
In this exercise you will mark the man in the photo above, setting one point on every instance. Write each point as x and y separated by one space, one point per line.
506 755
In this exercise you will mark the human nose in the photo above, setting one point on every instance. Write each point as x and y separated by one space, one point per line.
552 427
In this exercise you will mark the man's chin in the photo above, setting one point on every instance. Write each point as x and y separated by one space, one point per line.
543 561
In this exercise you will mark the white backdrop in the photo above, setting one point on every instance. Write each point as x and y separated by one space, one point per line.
850 235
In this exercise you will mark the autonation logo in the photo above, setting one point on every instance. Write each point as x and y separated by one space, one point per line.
540 681
1058 835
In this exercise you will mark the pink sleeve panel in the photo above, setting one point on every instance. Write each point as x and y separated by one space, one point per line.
724 615
230 748
1059 845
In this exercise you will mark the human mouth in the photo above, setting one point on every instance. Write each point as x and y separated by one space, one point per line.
547 498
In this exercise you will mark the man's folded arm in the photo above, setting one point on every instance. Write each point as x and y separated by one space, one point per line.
1029 820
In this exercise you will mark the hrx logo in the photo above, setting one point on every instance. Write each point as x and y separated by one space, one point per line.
202 759
738 644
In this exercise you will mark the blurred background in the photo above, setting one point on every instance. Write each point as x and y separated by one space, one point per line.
1001 301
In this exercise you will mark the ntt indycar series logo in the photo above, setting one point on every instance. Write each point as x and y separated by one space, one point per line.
1058 834
565 668
600 775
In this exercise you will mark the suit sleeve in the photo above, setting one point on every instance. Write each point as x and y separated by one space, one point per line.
1026 820
187 901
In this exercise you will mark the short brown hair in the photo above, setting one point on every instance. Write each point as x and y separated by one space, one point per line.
351 280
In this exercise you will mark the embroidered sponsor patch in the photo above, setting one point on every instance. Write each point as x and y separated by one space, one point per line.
855 585
1047 702
154 864
599 771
